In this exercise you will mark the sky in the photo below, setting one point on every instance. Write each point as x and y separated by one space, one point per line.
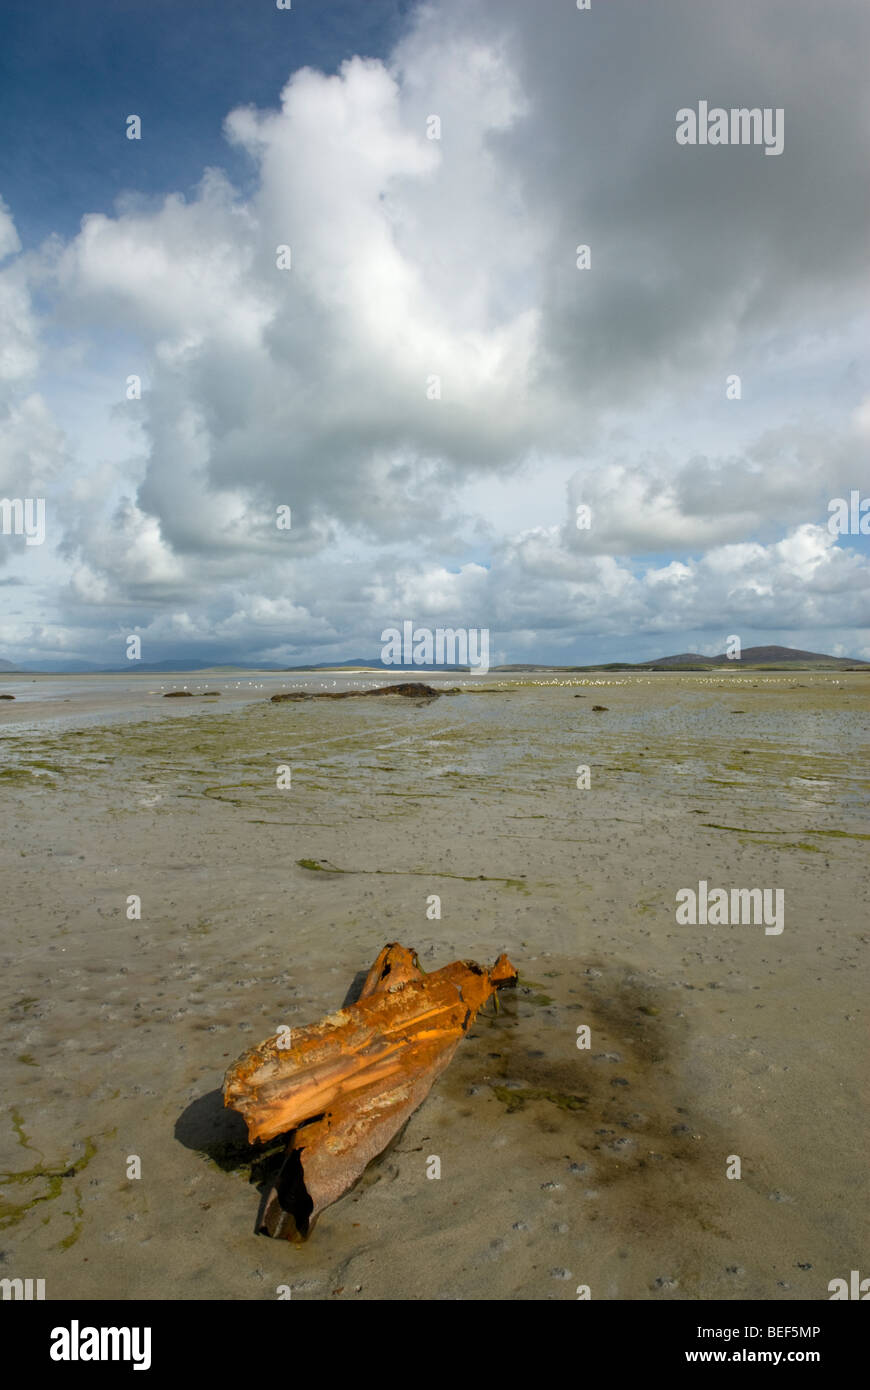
428 375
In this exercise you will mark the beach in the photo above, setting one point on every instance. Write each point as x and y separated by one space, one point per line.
562 1167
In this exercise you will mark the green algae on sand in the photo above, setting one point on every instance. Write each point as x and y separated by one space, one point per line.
323 866
11 1213
514 1100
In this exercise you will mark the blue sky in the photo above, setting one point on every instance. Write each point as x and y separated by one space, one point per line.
70 73
418 259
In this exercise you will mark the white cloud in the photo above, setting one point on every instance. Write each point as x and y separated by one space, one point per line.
454 258
19 349
9 239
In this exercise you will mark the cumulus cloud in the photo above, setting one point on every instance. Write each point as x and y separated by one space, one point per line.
19 347
433 338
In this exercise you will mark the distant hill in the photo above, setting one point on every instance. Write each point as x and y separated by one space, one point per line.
134 668
684 659
374 663
759 656
336 665
755 657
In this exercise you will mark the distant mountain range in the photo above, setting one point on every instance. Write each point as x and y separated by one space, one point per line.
687 661
372 661
751 656
130 668
757 656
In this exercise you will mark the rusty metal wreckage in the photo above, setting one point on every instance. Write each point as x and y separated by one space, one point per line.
346 1085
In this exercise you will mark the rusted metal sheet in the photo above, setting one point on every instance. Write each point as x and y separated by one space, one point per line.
346 1085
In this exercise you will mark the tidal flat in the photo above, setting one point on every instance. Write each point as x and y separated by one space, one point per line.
561 1166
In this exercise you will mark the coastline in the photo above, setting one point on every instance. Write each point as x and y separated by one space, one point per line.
259 906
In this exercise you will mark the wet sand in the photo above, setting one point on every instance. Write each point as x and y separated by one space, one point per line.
559 1167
